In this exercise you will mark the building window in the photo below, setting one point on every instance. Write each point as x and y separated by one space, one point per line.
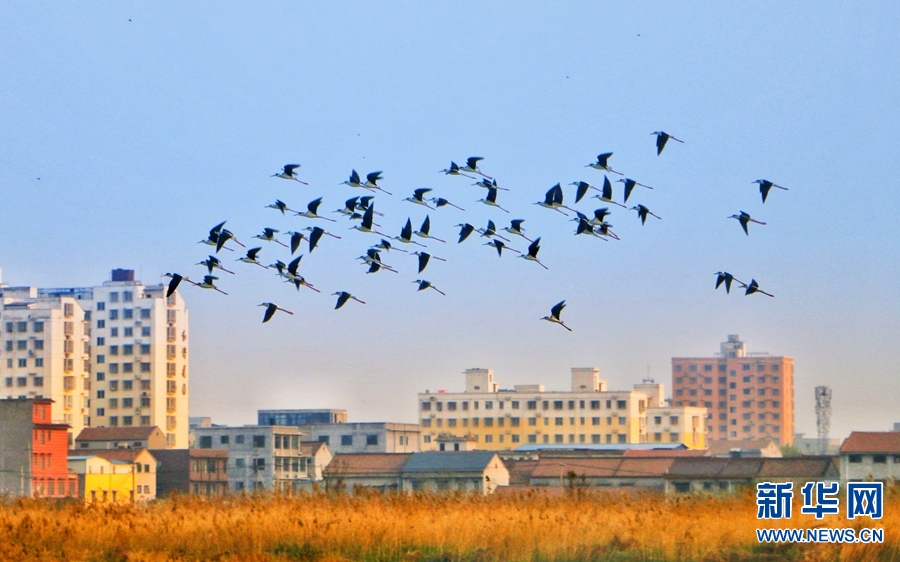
677 368
259 441
113 421
621 404
129 332
145 314
346 440
127 420
127 313
855 459
514 404
371 439
426 406
879 459
488 422
145 331
531 405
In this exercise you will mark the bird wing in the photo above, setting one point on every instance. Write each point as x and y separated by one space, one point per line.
289 168
661 139
491 227
350 204
454 167
534 247
629 187
367 217
296 238
499 245
744 219
465 231
295 263
354 177
373 267
364 201
173 284
270 311
251 253
764 188
314 236
426 225
313 205
548 197
582 189
607 188
423 260
373 177
419 193
557 309
557 195
492 194
602 158
599 214
516 224
406 231
215 230
472 162
342 299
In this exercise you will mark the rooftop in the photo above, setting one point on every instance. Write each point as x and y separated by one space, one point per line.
116 433
872 442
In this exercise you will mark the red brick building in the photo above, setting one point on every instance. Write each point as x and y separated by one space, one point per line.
34 450
747 395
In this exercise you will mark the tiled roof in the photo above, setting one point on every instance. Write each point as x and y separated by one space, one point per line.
366 463
717 447
311 447
804 466
450 461
116 433
657 453
603 467
123 455
872 442
748 468
520 471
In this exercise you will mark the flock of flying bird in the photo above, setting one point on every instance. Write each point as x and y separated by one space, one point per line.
362 209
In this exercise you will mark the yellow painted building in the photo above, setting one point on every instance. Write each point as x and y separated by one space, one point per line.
120 476
498 419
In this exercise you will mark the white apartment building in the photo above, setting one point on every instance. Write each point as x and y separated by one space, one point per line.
494 418
139 355
46 353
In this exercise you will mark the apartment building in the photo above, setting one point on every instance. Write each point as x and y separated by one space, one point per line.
492 418
45 353
138 354
300 417
746 395
366 437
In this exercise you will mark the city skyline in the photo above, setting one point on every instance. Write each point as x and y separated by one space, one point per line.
148 125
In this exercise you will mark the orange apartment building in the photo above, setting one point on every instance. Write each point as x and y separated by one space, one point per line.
747 395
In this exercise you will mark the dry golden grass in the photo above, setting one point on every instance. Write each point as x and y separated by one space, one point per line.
573 525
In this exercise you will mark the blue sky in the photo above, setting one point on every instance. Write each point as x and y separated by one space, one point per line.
147 123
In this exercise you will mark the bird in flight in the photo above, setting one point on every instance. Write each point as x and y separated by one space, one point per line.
582 188
281 206
472 166
315 234
364 203
491 230
213 238
744 218
349 206
208 283
491 199
643 212
533 250
727 278
270 311
372 182
311 209
251 257
453 170
423 232
373 260
515 227
753 287
385 245
553 199
489 184
440 202
629 186
661 139
288 173
224 236
366 225
269 236
606 193
212 262
424 257
554 314
500 247
406 234
343 297
465 230
602 163
585 227
175 280
765 186
418 195
353 181
423 284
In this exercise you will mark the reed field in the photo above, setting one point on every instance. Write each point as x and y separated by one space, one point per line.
565 524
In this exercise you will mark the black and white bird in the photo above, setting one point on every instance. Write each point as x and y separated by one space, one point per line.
372 182
491 199
349 206
268 235
585 227
500 246
727 278
293 269
224 236
424 258
487 184
629 187
212 262
373 256
209 283
515 227
533 250
643 212
491 230
251 257
296 239
581 189
385 245
406 234
343 297
353 181
465 230
661 139
765 186
600 216
417 197
744 218
315 234
280 205
213 237
602 163
423 284
288 173
311 209
176 279
472 166
554 315
425 229
753 287
440 202
366 225
553 199
364 203
299 281
606 193
453 170
279 268
270 311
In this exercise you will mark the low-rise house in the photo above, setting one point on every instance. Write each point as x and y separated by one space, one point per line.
871 455
192 471
115 475
708 474
745 448
369 470
318 455
141 437
260 457
366 437
648 473
34 450
478 471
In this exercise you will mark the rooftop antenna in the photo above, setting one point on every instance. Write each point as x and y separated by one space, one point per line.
649 379
823 416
